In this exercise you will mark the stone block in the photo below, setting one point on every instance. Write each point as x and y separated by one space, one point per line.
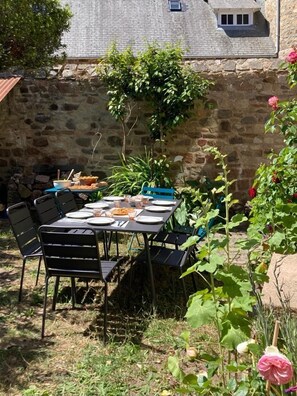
243 184
40 142
281 271
84 142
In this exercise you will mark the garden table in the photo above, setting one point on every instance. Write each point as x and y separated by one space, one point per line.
130 226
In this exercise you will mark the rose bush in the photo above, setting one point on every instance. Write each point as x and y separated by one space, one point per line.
273 193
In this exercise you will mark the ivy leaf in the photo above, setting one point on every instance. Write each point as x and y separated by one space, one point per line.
232 337
276 240
235 281
200 312
237 220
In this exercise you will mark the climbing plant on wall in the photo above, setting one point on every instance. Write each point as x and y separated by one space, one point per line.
156 75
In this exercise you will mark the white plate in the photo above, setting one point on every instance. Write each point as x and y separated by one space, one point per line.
79 215
111 198
164 203
100 221
149 219
96 205
158 208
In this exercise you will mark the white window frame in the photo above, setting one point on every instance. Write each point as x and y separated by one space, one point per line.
235 14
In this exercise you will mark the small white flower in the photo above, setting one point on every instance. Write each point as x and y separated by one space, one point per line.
243 347
178 158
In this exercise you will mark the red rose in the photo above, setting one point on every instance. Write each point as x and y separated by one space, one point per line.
292 57
294 197
275 179
252 192
273 102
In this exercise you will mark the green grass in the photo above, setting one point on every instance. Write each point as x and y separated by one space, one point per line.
71 359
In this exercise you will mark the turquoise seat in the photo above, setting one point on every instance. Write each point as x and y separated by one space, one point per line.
158 192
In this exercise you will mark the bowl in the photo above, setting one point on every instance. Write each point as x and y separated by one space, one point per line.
88 180
62 183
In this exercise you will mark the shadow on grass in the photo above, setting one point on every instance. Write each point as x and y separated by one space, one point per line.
15 358
130 303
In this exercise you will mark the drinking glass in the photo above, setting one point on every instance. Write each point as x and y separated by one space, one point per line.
132 215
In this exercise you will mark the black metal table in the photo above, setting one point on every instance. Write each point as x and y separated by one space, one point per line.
131 227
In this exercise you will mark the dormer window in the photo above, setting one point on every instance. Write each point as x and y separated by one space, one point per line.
235 19
234 12
174 5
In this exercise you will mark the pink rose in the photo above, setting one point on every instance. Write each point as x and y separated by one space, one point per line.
275 367
292 57
273 102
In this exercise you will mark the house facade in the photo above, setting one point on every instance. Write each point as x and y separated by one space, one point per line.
61 118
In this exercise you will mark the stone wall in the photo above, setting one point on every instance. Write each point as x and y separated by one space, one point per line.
288 25
63 120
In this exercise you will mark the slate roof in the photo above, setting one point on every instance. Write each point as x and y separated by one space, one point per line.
235 4
97 23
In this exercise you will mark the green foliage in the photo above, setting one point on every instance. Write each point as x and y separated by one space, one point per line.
116 70
191 194
227 303
168 86
30 32
134 172
275 205
158 76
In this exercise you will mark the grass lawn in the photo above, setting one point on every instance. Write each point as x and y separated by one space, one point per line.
71 359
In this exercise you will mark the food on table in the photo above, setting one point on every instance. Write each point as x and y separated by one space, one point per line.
88 180
122 211
75 187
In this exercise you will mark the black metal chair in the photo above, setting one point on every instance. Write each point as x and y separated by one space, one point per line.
26 236
47 209
66 201
74 255
172 258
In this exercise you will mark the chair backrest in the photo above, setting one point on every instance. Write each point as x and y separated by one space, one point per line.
158 192
70 254
23 228
47 209
66 201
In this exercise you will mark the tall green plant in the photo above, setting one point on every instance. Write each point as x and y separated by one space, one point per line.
116 70
156 75
31 32
169 86
227 303
134 172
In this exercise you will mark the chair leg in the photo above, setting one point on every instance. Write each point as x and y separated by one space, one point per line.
38 271
105 313
194 282
44 307
184 286
105 244
22 279
117 244
73 296
55 293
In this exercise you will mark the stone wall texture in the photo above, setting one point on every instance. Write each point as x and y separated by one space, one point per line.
63 120
288 25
